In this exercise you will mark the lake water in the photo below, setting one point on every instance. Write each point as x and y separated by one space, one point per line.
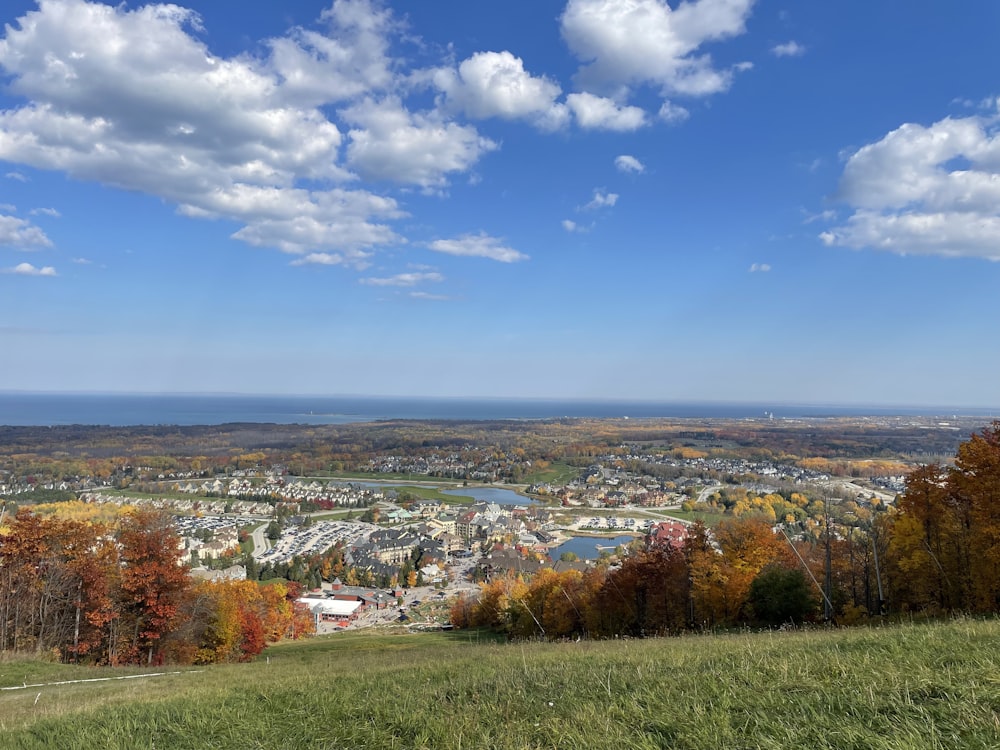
482 494
43 409
492 495
585 547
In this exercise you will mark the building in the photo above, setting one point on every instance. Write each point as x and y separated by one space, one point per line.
667 534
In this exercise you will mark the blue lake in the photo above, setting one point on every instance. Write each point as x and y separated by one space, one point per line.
586 547
492 495
20 408
483 494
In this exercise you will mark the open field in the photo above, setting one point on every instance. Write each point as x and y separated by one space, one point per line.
433 493
910 686
554 474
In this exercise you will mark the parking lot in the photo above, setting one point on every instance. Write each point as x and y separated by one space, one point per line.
314 539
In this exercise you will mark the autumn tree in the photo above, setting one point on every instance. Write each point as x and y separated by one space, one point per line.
780 595
53 585
553 605
152 583
974 492
648 595
501 600
926 547
721 578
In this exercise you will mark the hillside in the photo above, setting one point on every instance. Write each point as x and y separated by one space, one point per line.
909 686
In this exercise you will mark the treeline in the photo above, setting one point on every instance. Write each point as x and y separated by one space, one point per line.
946 537
937 551
742 573
117 594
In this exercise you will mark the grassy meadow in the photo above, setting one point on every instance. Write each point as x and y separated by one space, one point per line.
907 686
556 473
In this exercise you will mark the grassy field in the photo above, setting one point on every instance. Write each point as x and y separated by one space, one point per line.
556 474
433 493
909 686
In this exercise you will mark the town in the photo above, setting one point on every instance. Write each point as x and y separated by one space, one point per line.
409 530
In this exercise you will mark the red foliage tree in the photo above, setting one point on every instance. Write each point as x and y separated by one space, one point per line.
152 583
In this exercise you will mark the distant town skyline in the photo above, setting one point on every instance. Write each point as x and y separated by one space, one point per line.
711 201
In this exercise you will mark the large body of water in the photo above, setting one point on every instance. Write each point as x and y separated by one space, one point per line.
40 409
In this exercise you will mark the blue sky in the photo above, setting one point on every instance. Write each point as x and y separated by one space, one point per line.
720 200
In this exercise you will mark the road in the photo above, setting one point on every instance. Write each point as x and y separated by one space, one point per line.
260 545
708 492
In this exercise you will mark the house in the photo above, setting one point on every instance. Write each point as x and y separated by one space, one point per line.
667 534
340 611
426 508
232 573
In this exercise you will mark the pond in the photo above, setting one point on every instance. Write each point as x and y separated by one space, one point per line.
491 495
586 547
482 494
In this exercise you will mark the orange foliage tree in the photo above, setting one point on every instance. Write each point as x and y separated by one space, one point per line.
88 591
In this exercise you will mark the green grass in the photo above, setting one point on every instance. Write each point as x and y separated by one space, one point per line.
909 686
556 474
433 493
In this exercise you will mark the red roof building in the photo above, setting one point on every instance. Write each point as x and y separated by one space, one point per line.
667 534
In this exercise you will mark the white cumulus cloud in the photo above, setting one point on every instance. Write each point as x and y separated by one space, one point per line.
495 84
348 60
672 113
135 99
479 245
601 113
925 191
26 269
632 42
788 49
601 199
391 143
759 268
20 233
626 163
356 260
